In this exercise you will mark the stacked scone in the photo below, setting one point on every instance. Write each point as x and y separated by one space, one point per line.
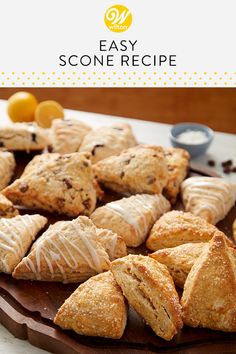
91 243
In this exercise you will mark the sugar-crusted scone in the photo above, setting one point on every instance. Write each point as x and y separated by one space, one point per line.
16 236
7 167
114 244
179 260
208 197
7 209
234 230
68 252
131 217
23 137
57 183
176 228
209 296
96 308
149 289
178 165
141 169
108 141
67 135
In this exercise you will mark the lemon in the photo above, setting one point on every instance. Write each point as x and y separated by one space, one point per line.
46 111
21 107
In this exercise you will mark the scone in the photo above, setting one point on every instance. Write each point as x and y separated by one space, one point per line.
16 236
7 167
131 217
178 165
209 296
108 141
149 289
7 209
96 308
67 135
57 183
176 228
114 244
67 252
208 197
141 169
23 137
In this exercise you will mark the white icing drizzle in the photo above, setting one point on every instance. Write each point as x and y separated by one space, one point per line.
216 196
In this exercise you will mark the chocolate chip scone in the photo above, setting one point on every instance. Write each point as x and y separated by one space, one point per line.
178 165
7 209
7 166
141 169
57 183
108 141
23 137
67 135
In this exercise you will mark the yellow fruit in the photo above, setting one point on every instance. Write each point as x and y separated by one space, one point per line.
21 107
46 111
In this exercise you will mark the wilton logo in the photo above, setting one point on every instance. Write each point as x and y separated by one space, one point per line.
118 18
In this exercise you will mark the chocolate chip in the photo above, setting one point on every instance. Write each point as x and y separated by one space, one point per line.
1 144
50 148
227 163
34 137
211 163
127 161
151 180
227 169
67 182
86 204
23 187
95 147
85 164
233 169
122 174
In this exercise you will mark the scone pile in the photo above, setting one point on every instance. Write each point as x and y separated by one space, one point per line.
74 167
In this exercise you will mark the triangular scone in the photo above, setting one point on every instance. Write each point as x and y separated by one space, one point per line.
16 236
23 137
131 217
7 166
67 135
179 260
7 209
57 183
114 244
96 308
209 296
208 197
108 141
141 169
68 252
150 290
178 165
177 227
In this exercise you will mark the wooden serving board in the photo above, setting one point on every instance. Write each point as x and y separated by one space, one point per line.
28 308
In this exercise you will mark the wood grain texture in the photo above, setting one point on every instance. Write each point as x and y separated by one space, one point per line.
215 107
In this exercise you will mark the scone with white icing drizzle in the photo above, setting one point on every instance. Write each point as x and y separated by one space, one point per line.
210 198
69 251
108 141
96 308
67 135
7 209
141 169
23 137
7 167
16 236
131 217
57 183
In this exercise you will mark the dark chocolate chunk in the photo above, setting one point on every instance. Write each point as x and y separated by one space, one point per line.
151 179
233 169
23 187
227 163
67 182
122 174
50 148
227 169
85 164
95 147
86 204
34 137
211 163
1 144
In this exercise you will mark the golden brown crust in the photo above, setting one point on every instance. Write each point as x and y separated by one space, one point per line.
131 217
150 290
123 173
68 251
7 209
108 141
209 295
16 236
178 165
7 167
176 228
56 183
96 308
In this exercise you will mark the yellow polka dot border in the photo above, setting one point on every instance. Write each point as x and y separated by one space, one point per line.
118 78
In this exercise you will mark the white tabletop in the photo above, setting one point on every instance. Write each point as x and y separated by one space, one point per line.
223 148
